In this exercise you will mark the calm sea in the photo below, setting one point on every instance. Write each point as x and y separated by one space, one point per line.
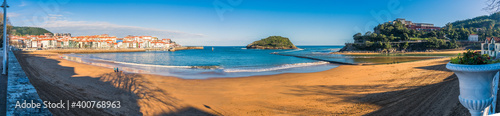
233 61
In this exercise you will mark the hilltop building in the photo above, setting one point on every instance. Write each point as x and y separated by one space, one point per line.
416 26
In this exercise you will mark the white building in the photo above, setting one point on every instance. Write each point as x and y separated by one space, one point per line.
34 44
491 46
48 43
473 37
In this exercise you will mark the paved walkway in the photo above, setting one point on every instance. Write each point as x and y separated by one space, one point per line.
3 91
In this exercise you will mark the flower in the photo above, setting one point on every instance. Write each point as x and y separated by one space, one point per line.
473 58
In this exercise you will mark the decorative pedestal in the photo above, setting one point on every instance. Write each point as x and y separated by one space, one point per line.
476 88
475 106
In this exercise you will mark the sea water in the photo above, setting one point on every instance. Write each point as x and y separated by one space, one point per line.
230 61
227 61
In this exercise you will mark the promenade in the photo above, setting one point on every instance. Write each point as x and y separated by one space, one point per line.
3 92
16 87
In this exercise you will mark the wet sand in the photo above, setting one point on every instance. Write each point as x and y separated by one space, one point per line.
415 88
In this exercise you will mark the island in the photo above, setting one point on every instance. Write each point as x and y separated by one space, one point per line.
272 42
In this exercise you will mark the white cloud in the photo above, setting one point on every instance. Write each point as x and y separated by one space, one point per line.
13 14
80 28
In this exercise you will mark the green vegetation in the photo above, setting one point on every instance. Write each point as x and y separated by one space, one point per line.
484 26
272 42
473 58
392 37
9 28
417 39
29 31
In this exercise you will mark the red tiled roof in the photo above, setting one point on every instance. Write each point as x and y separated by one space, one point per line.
496 39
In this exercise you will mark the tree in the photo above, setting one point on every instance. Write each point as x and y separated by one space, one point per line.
452 44
382 37
406 45
358 37
368 44
9 28
374 35
387 45
405 37
390 28
368 33
380 44
391 38
492 5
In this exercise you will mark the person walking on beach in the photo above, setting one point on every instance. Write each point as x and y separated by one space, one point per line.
116 69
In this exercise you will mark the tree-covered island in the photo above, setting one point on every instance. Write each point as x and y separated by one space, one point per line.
272 42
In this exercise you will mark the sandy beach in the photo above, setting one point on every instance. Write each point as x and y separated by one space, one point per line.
415 88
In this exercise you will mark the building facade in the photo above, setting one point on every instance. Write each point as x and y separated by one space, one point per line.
473 37
416 26
104 41
491 46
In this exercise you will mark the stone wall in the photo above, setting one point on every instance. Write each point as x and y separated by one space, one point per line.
19 89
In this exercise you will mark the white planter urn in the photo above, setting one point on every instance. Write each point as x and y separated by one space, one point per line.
476 86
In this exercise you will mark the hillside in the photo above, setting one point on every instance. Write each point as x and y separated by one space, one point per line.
272 42
29 31
487 22
484 26
393 37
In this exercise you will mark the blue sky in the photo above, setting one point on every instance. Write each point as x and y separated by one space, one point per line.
234 22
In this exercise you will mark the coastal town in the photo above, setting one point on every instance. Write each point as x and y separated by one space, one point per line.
104 41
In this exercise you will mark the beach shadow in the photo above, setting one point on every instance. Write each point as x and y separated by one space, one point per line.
54 82
439 67
130 83
190 111
434 99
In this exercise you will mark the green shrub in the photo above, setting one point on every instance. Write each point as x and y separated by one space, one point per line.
473 58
